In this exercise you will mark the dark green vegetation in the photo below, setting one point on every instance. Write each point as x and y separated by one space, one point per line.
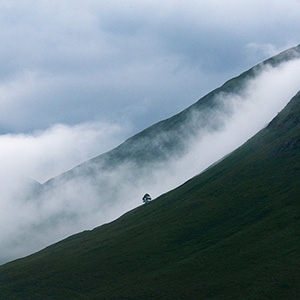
233 232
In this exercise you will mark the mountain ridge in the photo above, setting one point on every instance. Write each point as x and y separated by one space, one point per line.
234 85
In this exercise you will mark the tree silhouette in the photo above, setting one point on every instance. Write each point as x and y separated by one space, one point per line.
146 198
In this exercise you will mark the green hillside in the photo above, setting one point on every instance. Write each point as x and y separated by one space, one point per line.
233 232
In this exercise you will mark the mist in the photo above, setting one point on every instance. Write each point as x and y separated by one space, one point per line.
44 154
34 216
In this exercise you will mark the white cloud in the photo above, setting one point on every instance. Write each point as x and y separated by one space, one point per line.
42 155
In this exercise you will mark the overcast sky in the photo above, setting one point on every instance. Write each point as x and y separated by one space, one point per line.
108 69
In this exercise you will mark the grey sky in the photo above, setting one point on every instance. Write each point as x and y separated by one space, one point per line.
139 61
127 64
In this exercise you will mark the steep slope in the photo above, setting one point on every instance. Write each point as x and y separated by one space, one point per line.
230 233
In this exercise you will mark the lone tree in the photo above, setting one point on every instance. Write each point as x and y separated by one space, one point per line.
146 198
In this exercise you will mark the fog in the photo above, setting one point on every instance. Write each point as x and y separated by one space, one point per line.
67 206
44 154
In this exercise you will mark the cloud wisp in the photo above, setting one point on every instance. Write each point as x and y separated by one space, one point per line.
98 195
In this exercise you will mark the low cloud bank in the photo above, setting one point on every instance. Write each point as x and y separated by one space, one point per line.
45 154
27 224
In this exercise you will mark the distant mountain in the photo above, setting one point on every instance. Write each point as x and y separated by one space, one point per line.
231 232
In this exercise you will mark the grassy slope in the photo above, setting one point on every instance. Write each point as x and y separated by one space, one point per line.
229 233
